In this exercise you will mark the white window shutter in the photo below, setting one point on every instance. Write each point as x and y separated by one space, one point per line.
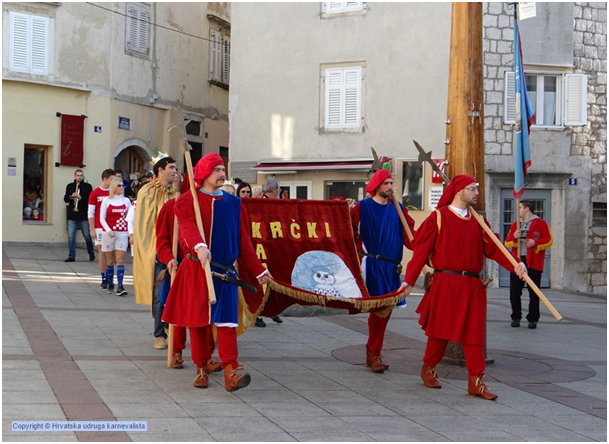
334 7
142 42
352 103
333 97
576 96
19 45
226 61
509 99
132 27
353 6
40 45
215 55
343 97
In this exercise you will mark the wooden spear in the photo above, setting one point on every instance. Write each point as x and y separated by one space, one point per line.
174 251
195 202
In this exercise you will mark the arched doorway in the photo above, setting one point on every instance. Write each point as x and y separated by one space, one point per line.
133 156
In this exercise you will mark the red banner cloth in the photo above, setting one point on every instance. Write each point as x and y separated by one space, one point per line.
72 130
308 247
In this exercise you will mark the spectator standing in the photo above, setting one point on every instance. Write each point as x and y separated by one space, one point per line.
77 199
535 237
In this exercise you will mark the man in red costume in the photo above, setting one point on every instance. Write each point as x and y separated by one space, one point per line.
224 226
535 237
164 249
377 225
452 242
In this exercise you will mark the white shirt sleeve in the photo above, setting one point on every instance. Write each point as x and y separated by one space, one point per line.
130 218
102 214
91 212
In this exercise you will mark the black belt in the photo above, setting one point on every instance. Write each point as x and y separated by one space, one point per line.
461 273
381 258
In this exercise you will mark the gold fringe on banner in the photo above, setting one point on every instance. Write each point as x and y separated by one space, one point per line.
363 305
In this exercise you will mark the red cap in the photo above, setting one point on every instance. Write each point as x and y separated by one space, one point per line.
457 184
205 166
379 177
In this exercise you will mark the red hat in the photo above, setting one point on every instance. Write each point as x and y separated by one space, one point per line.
379 177
457 184
206 165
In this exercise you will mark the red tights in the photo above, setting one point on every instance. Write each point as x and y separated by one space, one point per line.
376 332
474 355
202 345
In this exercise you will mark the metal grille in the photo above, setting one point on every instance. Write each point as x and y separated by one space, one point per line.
599 214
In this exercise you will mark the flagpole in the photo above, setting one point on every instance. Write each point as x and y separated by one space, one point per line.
514 143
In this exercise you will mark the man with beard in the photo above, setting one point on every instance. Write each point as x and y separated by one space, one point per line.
377 224
225 231
452 242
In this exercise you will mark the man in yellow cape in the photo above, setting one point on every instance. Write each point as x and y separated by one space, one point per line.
150 200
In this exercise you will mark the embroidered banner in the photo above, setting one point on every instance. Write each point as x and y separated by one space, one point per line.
308 247
72 129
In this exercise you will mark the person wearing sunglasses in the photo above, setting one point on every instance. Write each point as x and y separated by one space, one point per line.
115 238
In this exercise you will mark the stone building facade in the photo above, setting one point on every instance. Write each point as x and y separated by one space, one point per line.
568 161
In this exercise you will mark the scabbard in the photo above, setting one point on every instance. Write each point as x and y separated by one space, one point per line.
235 281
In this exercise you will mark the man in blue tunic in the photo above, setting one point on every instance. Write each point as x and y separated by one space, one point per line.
380 237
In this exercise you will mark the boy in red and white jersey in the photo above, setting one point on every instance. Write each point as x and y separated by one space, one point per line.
95 200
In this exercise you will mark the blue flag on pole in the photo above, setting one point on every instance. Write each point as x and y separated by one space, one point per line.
524 118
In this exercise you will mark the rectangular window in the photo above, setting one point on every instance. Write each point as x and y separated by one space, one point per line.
352 189
343 98
137 25
219 58
295 190
29 43
599 214
338 7
557 99
34 184
412 185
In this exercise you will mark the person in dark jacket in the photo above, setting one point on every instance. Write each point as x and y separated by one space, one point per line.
77 198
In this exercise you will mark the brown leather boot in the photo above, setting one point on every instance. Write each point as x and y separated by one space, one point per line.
177 361
478 388
234 381
430 377
213 366
202 380
375 360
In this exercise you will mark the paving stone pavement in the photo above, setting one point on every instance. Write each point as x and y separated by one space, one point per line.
70 351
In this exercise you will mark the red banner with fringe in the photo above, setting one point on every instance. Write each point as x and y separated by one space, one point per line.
308 247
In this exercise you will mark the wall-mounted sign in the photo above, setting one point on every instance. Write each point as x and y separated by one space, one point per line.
435 193
526 10
72 130
573 181
124 123
12 162
435 177
97 129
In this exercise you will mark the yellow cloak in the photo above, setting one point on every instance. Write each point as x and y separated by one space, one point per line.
150 199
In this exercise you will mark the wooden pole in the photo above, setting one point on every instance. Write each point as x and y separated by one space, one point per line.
195 202
465 132
174 251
